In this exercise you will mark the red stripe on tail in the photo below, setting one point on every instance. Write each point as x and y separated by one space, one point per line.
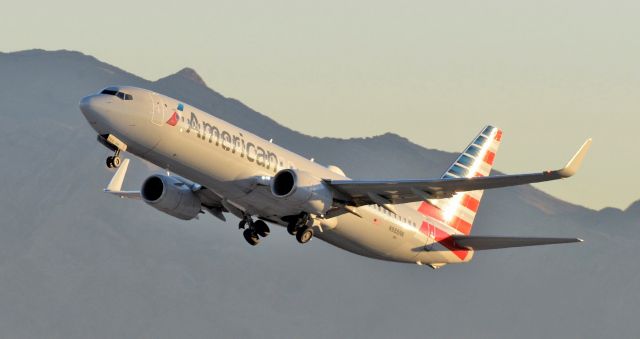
499 135
488 158
434 212
444 239
470 203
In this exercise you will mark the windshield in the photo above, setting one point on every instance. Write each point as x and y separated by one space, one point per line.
121 95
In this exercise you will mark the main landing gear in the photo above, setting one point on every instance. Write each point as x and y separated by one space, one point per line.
114 160
254 230
300 226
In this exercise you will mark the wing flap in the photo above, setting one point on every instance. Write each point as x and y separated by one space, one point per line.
489 243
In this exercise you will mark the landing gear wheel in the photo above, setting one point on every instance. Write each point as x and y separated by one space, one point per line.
304 235
115 161
251 237
242 223
292 228
261 228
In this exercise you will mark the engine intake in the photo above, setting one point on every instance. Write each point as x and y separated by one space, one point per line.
171 196
284 183
302 190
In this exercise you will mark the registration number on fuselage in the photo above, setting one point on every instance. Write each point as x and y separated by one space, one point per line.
396 230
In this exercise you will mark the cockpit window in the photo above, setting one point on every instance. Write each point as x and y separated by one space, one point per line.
121 95
109 92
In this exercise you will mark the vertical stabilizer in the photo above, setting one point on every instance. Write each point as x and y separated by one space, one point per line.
477 160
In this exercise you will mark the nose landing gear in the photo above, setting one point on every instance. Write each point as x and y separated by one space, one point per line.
114 161
116 145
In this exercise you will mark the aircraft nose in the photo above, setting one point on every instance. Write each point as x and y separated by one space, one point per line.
88 108
84 103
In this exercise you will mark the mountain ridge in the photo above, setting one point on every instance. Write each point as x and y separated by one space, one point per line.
191 75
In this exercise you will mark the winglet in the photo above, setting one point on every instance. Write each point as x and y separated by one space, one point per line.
115 185
574 164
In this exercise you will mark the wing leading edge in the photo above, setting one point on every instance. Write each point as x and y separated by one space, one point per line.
361 192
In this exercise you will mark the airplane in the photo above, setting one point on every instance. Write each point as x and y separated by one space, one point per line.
222 169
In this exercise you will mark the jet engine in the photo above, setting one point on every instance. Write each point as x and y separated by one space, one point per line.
171 196
302 190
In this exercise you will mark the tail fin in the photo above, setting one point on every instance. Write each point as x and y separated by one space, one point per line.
477 159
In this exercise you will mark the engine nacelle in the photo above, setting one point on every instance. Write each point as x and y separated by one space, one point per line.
302 190
170 196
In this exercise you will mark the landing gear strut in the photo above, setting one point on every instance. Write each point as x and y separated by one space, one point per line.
114 160
253 230
111 142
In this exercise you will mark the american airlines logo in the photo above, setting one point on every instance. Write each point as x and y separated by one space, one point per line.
228 141
175 118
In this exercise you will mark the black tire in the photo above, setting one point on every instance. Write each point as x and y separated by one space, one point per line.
261 228
109 162
116 161
251 237
304 235
292 228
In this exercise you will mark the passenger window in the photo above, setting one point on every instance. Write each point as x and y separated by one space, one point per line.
487 131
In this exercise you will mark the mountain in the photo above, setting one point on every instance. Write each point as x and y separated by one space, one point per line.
75 263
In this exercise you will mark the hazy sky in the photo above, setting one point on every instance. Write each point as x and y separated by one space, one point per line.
550 73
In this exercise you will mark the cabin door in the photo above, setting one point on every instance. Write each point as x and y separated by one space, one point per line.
158 115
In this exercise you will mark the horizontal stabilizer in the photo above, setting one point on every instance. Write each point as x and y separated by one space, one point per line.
490 243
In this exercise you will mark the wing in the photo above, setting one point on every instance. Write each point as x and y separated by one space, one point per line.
385 192
490 243
115 185
210 200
